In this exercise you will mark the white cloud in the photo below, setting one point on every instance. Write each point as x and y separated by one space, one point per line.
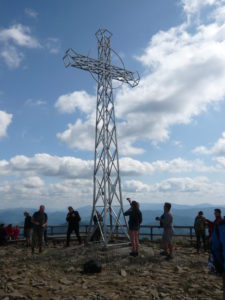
53 45
5 121
194 6
217 149
13 37
20 35
31 13
184 76
11 56
32 102
80 100
53 178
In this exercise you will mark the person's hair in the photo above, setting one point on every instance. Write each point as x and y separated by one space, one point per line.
200 212
134 204
168 205
217 210
70 207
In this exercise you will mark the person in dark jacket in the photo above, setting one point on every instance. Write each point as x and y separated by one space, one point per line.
135 219
73 219
39 221
27 228
200 226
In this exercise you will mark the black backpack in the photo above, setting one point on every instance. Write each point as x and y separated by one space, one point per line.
92 266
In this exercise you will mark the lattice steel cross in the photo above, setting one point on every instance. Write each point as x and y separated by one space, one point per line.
107 194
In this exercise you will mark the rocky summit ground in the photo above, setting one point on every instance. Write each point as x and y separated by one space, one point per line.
57 273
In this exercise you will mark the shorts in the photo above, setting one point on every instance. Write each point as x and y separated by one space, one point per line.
168 236
27 233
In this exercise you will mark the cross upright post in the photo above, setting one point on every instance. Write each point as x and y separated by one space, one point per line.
107 193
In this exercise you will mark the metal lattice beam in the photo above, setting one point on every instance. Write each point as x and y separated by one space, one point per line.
107 193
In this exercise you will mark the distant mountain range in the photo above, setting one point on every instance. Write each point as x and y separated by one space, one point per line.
183 214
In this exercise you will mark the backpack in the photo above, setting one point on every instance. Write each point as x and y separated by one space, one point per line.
218 246
92 266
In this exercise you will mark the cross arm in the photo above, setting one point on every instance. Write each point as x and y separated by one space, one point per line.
76 60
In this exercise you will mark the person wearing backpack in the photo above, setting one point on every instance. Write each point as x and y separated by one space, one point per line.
73 219
218 250
200 225
135 219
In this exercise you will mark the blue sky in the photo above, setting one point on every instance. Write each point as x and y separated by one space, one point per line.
171 131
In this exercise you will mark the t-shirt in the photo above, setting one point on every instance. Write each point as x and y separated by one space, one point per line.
167 221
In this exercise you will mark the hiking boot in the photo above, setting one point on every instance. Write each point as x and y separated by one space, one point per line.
132 253
135 254
164 253
40 250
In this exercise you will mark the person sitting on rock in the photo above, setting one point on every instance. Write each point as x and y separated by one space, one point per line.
135 219
200 225
73 219
167 223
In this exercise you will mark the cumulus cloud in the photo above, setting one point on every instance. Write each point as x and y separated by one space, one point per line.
68 167
217 149
13 37
184 76
29 180
5 121
80 100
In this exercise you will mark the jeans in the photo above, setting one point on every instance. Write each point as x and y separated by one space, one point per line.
70 230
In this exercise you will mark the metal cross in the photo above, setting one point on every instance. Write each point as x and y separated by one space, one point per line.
107 193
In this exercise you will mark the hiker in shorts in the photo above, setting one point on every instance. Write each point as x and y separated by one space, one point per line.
200 226
39 221
135 219
166 220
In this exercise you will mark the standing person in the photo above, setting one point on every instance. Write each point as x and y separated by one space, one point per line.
218 218
73 219
200 225
27 228
218 249
40 221
166 220
135 219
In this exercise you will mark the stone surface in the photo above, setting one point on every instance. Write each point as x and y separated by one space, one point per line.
57 273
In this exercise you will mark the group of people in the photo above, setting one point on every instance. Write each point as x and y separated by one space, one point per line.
8 233
200 225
